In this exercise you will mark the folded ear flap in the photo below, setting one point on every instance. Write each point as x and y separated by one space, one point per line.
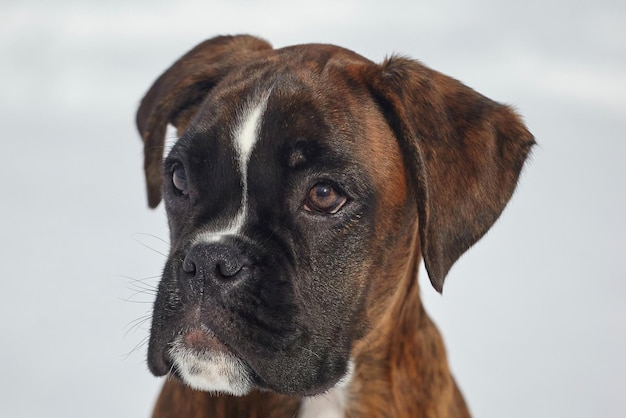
177 94
463 153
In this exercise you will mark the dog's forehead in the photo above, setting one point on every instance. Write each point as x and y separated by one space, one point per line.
296 97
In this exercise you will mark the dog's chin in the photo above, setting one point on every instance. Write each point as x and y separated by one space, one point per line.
204 363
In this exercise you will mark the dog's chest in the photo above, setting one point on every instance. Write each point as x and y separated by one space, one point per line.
328 405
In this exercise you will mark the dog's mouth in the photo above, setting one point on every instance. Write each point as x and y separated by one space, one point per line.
234 334
205 363
212 360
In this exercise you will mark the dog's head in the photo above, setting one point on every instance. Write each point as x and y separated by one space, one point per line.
305 182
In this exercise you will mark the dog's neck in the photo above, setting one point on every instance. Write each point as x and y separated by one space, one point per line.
401 369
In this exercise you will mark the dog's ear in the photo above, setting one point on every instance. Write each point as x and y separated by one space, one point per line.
177 94
463 153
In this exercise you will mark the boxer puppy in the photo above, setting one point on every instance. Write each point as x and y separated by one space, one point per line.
306 185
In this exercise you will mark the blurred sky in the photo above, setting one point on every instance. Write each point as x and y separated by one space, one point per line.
533 316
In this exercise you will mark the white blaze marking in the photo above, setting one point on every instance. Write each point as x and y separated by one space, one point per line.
248 134
245 136
171 137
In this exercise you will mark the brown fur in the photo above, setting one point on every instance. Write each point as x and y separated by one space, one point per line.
178 400
452 160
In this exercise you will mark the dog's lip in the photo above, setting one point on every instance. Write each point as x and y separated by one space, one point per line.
202 340
196 338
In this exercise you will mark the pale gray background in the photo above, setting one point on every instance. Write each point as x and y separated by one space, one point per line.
533 316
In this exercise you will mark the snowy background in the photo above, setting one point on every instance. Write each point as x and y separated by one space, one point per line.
534 316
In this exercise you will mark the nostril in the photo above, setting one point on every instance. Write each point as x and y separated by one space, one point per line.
229 268
189 266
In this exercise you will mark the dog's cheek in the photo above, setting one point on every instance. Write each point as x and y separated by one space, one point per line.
336 283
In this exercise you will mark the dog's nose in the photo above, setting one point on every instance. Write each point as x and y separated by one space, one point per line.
208 265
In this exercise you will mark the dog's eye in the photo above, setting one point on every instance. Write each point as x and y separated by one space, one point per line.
179 179
324 198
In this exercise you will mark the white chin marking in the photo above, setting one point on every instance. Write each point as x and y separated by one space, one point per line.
210 371
330 404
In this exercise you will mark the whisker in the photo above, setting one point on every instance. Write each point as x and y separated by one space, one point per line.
312 352
147 289
136 324
134 236
152 236
145 279
137 301
140 344
141 287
